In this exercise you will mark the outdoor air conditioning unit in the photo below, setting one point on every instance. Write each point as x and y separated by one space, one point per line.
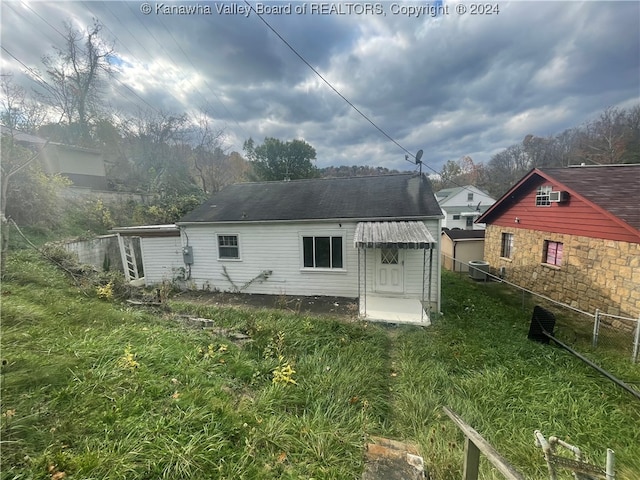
558 196
478 269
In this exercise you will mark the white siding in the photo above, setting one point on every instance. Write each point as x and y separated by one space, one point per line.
460 199
277 247
162 258
460 223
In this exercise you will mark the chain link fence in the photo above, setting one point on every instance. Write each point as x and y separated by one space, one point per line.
586 331
615 331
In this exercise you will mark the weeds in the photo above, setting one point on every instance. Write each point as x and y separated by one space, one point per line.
283 373
99 390
105 292
128 360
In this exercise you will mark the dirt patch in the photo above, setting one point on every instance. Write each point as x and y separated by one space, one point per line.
311 305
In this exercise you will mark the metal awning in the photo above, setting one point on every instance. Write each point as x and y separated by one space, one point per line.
409 234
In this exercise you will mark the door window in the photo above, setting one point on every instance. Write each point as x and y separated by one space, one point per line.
389 256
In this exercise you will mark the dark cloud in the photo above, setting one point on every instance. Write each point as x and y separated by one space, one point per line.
452 85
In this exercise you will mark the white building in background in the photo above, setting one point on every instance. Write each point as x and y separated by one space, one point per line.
461 206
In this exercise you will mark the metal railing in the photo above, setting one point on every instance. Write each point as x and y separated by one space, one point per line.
581 470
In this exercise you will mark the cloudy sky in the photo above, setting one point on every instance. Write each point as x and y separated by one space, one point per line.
452 84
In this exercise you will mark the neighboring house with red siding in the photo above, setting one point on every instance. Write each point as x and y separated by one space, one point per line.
572 234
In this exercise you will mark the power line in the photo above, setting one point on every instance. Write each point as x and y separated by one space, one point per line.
304 60
363 115
36 76
204 79
43 83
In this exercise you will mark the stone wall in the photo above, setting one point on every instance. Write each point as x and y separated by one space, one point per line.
595 273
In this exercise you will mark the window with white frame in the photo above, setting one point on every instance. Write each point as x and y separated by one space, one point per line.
322 252
469 222
506 248
542 196
456 217
552 254
470 197
228 247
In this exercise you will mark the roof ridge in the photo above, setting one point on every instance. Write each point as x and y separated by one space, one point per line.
576 166
301 180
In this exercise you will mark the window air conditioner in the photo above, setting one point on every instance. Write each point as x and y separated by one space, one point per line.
558 196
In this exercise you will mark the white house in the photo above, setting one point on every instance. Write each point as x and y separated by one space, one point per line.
462 206
374 238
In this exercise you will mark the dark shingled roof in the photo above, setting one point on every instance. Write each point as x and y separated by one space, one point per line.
464 234
614 188
401 196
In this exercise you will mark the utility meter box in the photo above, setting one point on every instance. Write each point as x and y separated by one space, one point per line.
187 255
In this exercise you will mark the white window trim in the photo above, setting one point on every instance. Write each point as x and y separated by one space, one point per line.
224 259
319 233
541 192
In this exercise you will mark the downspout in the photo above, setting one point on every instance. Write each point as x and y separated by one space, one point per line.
455 244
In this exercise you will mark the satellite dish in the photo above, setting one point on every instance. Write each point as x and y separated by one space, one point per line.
419 156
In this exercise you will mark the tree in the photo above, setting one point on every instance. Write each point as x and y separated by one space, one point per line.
75 75
354 171
604 141
541 151
632 125
18 111
212 167
449 172
505 169
278 160
27 195
158 148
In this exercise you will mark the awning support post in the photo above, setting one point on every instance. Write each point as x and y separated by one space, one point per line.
365 283
430 277
358 275
424 260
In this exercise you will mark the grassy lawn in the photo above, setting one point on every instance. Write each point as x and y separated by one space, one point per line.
96 389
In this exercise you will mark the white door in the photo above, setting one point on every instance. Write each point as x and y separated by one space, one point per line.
389 271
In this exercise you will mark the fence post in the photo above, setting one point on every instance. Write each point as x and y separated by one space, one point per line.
471 466
596 328
610 472
636 341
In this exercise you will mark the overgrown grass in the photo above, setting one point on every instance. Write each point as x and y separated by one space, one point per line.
100 390
104 391
614 348
478 360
